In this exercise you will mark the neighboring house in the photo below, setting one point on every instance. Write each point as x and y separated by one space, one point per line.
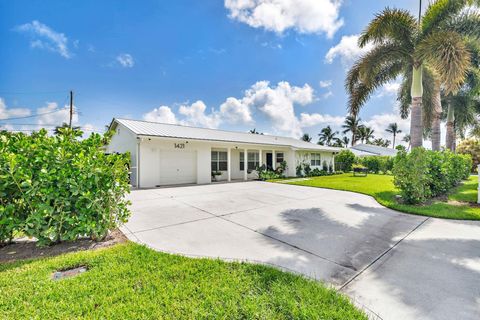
169 154
363 149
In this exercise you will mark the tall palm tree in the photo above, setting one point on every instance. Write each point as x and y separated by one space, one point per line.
418 50
406 139
352 124
365 134
393 129
306 137
254 131
381 142
327 136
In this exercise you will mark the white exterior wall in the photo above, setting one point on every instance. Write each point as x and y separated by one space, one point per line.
125 141
305 157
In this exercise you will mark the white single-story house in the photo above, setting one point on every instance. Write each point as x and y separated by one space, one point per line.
167 154
364 150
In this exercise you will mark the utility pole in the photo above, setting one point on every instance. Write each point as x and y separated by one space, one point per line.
71 109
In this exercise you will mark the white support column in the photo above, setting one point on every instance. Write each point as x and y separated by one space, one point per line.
229 165
274 160
260 159
245 164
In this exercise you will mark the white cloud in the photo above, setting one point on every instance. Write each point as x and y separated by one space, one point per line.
55 118
235 111
380 122
195 115
390 88
304 16
161 114
314 119
125 60
325 83
6 112
44 37
347 50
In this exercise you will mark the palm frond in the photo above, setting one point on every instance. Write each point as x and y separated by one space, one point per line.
467 24
393 25
439 13
447 53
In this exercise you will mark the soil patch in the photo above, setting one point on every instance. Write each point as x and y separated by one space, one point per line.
27 249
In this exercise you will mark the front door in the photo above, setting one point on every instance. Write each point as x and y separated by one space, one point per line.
269 161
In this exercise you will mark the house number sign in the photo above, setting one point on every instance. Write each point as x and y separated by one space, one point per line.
179 145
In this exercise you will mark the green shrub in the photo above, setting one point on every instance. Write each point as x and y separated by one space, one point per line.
411 175
344 160
471 147
377 164
423 174
59 188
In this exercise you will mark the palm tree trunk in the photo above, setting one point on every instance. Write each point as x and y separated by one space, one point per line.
394 141
353 139
436 119
450 138
416 121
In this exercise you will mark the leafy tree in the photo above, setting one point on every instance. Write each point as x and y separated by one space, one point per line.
59 129
306 137
406 139
393 129
471 147
352 124
327 136
345 141
427 53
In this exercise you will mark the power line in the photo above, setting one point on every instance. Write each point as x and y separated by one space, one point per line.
38 92
34 115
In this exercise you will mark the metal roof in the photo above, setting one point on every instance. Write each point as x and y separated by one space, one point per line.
156 129
374 150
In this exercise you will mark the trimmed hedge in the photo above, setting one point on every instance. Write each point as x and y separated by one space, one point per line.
423 174
59 188
377 164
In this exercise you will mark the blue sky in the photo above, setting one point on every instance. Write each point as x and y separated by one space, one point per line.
203 63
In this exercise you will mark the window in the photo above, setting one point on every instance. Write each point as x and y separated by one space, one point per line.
253 161
219 161
279 157
242 161
315 159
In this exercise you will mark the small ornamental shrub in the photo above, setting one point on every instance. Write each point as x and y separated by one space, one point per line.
411 175
470 147
344 160
307 169
59 188
423 174
299 170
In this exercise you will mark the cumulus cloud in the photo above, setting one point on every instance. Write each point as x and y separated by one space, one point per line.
380 122
125 60
326 85
390 88
314 119
304 16
161 114
6 112
347 50
49 117
195 115
236 111
44 37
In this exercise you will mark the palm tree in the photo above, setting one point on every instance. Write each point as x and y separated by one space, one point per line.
306 137
393 129
327 136
365 134
427 52
352 124
406 139
254 131
345 141
381 142
58 129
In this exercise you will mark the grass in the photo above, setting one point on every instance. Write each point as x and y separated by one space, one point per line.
129 281
382 189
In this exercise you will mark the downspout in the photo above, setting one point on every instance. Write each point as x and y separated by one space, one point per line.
138 163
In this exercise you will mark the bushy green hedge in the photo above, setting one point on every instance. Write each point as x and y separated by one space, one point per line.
58 188
377 164
423 174
344 160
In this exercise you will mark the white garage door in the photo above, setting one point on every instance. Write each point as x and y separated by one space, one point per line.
178 167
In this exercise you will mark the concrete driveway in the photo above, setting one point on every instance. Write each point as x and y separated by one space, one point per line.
394 265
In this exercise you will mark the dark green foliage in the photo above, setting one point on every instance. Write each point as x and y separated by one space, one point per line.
59 188
344 160
377 164
423 174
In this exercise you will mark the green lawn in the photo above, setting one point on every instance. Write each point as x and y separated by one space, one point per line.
382 189
129 281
